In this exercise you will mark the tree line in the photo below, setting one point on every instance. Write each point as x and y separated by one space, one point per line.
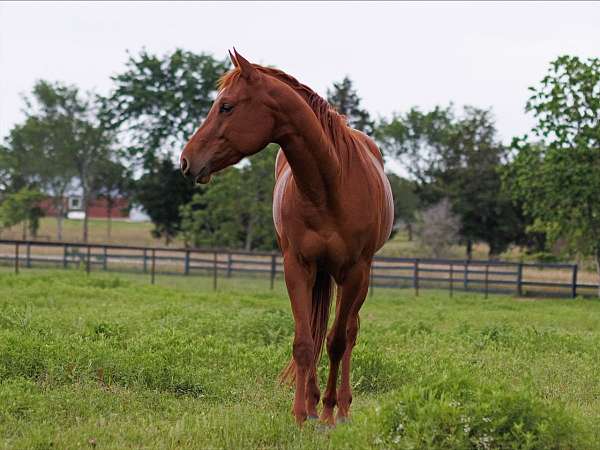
462 185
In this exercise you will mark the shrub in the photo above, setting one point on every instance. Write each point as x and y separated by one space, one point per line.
456 413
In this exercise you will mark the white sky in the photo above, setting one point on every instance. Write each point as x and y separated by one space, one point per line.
398 54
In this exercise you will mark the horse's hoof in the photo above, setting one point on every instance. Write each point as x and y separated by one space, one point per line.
313 417
324 427
342 419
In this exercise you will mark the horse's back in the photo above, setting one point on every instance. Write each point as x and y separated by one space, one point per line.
386 200
369 144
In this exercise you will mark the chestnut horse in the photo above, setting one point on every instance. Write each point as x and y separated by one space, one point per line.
332 208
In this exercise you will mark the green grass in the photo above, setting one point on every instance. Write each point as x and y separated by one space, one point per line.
112 362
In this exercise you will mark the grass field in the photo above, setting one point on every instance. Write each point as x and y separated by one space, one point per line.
123 232
112 362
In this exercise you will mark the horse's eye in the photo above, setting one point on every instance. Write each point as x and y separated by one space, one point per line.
225 107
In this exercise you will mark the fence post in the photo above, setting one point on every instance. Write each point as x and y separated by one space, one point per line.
87 261
187 262
214 271
416 277
65 251
487 268
466 276
28 260
273 269
105 261
145 260
17 258
451 280
520 279
152 266
574 282
228 264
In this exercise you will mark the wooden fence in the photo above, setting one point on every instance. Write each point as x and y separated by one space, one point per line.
521 279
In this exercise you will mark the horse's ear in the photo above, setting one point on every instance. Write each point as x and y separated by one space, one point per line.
247 70
233 60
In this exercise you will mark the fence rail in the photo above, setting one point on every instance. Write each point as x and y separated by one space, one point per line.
521 279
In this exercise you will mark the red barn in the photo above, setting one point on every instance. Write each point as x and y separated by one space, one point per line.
97 209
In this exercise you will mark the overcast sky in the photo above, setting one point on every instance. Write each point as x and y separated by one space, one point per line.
398 54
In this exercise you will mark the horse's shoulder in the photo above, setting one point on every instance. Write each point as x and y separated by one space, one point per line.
280 163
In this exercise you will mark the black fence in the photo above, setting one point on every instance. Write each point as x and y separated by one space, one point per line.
521 279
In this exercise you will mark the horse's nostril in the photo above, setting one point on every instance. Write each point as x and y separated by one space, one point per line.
185 167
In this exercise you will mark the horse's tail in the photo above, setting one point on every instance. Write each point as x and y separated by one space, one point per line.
319 316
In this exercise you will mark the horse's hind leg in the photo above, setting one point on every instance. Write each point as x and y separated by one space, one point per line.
354 286
344 397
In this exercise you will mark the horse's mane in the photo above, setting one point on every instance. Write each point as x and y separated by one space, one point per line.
334 124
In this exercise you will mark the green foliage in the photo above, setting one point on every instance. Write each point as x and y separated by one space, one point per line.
566 104
406 201
458 158
421 142
40 150
21 206
558 178
113 181
60 140
344 98
234 210
158 101
161 192
456 412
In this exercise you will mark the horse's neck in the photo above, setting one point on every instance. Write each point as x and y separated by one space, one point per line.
313 160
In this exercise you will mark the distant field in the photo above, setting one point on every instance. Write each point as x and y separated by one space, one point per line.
123 232
112 362
138 233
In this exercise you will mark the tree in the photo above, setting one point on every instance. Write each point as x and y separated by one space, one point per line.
60 140
422 143
71 137
344 98
235 209
437 228
158 102
92 153
258 182
5 169
456 157
474 183
406 202
557 178
113 182
161 192
22 207
213 217
39 152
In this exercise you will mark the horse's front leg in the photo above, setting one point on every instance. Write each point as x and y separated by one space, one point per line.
299 279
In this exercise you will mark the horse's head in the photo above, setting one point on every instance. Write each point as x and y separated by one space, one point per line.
240 123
